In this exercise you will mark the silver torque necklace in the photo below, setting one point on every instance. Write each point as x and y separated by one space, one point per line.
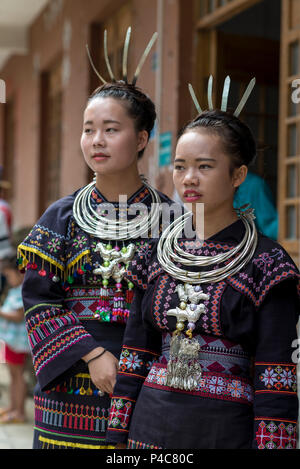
169 253
102 227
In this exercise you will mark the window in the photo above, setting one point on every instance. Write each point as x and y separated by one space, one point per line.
289 127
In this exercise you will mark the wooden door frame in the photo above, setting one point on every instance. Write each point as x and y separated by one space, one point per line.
225 13
288 36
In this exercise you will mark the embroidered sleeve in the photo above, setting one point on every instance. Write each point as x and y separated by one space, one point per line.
56 336
276 402
141 348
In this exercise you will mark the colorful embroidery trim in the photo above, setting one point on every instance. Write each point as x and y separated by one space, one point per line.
277 378
217 355
85 302
120 413
276 435
72 416
57 345
213 385
132 361
133 444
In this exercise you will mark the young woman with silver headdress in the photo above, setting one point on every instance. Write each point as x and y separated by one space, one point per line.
208 359
75 296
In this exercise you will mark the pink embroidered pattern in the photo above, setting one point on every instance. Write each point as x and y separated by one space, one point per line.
213 385
120 413
273 434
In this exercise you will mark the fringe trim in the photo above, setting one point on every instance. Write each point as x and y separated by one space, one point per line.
27 254
23 251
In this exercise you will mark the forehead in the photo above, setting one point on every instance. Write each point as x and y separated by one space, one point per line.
105 109
195 143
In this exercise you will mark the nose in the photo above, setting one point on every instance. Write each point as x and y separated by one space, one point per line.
191 177
98 140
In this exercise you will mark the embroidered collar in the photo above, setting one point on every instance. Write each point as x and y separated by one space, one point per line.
140 196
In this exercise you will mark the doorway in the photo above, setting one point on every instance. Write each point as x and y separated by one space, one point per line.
246 46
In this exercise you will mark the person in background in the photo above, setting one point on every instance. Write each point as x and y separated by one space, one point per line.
4 205
5 247
13 333
256 192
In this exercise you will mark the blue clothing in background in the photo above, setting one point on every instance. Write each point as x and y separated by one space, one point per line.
256 192
12 333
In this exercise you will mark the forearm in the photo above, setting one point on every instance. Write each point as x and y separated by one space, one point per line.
14 316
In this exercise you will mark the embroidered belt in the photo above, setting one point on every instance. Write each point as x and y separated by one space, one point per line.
86 301
213 385
217 355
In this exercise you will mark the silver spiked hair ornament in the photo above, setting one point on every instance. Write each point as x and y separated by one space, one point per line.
125 59
225 95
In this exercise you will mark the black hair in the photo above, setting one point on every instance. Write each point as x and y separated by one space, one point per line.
237 138
138 105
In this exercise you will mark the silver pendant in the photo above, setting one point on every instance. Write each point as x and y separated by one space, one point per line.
184 369
113 259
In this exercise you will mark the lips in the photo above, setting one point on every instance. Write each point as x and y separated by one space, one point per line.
191 195
99 156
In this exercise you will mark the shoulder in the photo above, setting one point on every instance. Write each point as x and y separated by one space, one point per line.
270 255
269 266
164 198
52 225
60 208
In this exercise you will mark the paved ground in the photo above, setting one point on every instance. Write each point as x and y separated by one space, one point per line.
15 436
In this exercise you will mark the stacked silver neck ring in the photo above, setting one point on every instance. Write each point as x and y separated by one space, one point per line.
169 253
102 227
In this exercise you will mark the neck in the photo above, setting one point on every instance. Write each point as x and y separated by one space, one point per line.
112 186
217 221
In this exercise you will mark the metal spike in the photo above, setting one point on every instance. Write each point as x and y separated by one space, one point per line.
225 94
93 66
209 93
143 58
125 54
106 58
194 98
245 97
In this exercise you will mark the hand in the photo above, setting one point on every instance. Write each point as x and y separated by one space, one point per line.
103 372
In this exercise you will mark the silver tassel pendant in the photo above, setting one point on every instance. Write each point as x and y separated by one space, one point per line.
184 369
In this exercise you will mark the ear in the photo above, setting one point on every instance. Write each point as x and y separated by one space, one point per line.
143 138
239 175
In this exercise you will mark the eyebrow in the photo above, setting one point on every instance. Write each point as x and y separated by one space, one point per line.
107 121
197 159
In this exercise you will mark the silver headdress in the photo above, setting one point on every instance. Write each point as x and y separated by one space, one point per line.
225 95
125 59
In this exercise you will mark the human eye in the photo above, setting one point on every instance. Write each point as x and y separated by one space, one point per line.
87 130
111 130
178 167
205 166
